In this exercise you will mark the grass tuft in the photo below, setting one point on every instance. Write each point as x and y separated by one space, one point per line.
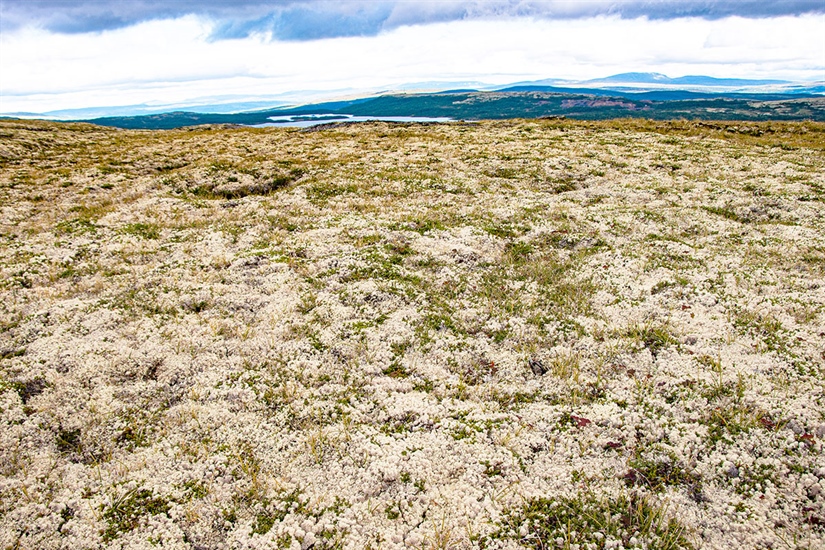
589 521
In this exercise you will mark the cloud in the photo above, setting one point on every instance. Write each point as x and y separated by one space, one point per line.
299 20
133 65
311 21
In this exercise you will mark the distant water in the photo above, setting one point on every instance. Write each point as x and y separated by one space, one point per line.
303 121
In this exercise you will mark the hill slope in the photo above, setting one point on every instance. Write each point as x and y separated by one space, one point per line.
524 102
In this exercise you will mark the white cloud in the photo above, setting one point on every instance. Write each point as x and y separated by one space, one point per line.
172 60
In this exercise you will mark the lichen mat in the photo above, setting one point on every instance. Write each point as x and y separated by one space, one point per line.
541 334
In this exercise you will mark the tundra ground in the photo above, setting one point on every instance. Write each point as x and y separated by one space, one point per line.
495 335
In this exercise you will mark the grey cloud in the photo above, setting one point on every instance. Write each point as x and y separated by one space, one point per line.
311 21
315 19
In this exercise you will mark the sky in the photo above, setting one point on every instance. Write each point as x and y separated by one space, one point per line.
63 54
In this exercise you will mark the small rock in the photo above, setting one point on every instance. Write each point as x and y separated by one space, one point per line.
537 366
587 242
690 340
374 298
796 427
820 430
814 491
733 472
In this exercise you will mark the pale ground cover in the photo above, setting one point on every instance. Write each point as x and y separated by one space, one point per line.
541 334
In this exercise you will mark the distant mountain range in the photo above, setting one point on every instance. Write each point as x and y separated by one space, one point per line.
664 94
499 105
143 109
696 80
640 82
634 94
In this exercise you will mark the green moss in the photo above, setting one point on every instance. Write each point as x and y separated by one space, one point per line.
517 252
492 469
766 328
726 213
424 224
654 336
195 489
75 226
68 441
729 420
755 479
396 370
126 513
276 512
392 511
138 421
658 471
28 389
587 520
319 193
143 230
504 229
503 172
263 523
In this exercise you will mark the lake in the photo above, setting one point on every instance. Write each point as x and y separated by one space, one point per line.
303 121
